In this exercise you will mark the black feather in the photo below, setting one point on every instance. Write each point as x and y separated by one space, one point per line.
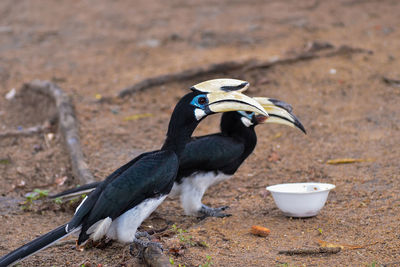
223 152
150 177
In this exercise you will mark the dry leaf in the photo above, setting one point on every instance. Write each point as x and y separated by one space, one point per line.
347 160
273 157
137 116
325 244
61 180
276 136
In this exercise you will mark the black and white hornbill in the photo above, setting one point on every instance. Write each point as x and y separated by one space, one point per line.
210 159
120 203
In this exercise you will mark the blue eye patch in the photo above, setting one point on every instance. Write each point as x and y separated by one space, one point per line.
199 101
246 115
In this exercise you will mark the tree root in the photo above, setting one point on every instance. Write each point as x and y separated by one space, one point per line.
68 126
310 251
313 50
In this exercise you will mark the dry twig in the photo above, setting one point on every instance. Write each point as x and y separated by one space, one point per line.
313 50
26 132
68 126
310 251
391 81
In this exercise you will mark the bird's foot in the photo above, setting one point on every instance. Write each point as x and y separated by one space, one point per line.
141 244
206 211
143 234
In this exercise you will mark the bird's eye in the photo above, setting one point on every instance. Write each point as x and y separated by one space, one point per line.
202 100
199 101
249 112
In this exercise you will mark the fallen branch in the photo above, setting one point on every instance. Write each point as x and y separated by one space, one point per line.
184 75
313 50
310 251
68 126
25 132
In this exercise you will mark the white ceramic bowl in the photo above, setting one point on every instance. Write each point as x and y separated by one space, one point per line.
300 199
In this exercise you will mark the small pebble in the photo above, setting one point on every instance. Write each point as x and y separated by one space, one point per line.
11 94
37 148
50 136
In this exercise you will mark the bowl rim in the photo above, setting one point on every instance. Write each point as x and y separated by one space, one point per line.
272 189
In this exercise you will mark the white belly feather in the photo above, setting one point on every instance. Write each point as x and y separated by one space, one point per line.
124 227
193 188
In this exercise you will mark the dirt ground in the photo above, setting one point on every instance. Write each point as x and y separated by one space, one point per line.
100 47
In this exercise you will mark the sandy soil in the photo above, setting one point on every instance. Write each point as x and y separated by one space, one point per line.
100 47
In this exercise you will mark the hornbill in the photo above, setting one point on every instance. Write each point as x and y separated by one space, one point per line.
210 159
120 203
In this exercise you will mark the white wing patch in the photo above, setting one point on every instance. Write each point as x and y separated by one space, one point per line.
99 229
80 204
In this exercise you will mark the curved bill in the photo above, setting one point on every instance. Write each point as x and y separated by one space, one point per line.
221 85
279 112
233 101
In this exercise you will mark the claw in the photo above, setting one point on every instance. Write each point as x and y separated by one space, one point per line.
206 211
141 245
143 234
222 208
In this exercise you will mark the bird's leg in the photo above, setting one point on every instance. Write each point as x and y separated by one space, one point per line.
141 245
206 211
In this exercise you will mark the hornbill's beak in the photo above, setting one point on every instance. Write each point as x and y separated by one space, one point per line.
234 101
279 112
221 85
225 95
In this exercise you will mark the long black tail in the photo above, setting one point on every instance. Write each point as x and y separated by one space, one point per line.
34 246
77 191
